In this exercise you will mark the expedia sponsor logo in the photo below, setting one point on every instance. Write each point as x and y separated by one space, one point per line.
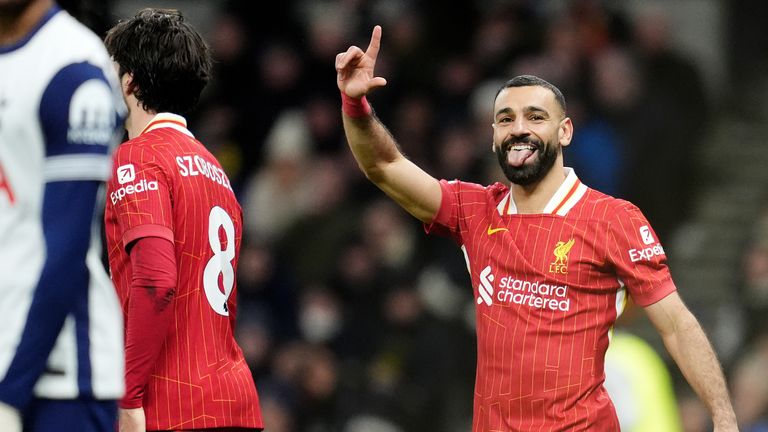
645 234
647 254
126 174
538 294
142 186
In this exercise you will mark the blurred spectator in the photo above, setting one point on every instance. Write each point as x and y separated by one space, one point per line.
458 154
389 234
256 340
505 30
268 291
750 388
320 316
693 413
421 365
640 385
322 411
222 103
280 193
277 414
754 292
600 148
672 116
324 125
313 243
369 423
415 124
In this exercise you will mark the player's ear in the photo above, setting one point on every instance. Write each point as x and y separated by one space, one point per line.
565 131
126 82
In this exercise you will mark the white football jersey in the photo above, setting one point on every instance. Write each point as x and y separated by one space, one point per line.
60 118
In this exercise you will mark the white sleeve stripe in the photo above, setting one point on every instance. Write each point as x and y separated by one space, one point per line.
77 167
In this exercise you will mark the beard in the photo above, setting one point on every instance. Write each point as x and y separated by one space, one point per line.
528 173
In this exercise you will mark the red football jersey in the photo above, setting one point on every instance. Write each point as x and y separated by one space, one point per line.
166 184
548 289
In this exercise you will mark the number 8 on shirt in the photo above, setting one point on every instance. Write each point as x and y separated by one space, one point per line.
167 185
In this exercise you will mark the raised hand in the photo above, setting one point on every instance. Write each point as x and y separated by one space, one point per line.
354 68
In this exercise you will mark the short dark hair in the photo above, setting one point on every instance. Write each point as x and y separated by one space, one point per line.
169 60
534 81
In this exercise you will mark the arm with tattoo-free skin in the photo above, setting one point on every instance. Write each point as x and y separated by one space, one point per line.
374 148
688 344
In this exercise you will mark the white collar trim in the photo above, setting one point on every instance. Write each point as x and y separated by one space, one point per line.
168 120
565 198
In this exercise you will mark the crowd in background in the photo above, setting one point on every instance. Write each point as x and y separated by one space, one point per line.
350 318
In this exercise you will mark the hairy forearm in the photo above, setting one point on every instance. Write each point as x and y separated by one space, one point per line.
380 159
695 357
371 144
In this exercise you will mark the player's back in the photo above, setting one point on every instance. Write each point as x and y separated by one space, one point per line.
168 185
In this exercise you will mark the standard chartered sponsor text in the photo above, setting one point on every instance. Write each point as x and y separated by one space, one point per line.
533 294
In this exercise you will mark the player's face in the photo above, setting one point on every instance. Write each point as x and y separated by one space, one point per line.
528 133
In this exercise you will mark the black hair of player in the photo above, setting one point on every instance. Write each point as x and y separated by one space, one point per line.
169 60
533 81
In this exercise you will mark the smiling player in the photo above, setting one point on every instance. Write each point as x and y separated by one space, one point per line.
551 261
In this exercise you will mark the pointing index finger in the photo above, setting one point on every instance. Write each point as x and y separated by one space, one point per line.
373 47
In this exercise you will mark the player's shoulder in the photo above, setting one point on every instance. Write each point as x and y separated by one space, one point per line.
162 144
607 206
469 194
496 190
71 62
57 56
72 40
142 148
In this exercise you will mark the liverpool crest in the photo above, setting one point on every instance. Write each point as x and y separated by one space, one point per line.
560 264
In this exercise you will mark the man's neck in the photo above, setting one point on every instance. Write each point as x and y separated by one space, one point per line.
533 198
14 26
137 121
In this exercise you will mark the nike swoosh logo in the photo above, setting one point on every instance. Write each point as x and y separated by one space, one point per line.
495 230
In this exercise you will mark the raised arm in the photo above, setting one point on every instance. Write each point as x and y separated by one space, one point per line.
374 148
686 342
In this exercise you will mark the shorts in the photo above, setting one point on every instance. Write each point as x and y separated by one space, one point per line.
75 415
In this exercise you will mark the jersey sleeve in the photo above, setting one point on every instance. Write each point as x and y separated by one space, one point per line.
81 122
447 219
153 287
140 193
638 257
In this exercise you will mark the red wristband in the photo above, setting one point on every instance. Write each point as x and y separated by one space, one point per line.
355 108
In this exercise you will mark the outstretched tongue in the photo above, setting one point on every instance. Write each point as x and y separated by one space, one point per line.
517 158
